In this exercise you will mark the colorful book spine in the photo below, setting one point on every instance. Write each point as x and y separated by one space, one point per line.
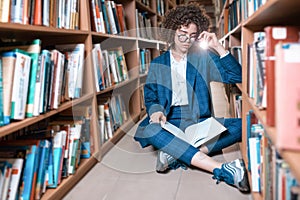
1 95
20 85
34 50
42 166
8 67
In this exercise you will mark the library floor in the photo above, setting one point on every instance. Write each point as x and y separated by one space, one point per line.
127 172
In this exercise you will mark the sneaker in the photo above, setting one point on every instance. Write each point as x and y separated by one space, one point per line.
163 162
233 173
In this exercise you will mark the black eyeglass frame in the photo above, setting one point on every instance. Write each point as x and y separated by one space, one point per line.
186 37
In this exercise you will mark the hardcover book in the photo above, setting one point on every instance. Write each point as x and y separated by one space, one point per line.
275 34
287 95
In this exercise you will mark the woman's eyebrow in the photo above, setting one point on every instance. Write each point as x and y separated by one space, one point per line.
183 31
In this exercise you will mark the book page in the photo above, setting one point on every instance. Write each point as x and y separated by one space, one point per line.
197 134
175 131
204 131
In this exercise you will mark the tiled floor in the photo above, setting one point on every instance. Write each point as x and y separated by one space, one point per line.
127 172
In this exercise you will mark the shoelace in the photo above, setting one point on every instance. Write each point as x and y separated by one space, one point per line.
218 175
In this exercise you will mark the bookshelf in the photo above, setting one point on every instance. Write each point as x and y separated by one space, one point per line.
90 98
270 13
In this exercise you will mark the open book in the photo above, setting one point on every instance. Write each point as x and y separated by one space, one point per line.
199 133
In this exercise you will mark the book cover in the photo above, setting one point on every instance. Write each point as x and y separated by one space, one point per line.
20 84
47 64
254 148
44 149
121 18
287 94
73 148
4 17
275 34
197 134
5 175
8 67
105 17
57 156
1 95
110 16
17 165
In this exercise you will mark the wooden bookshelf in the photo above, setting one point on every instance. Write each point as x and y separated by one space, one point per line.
273 12
85 34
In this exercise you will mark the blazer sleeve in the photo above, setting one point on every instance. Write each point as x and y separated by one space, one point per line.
226 69
151 90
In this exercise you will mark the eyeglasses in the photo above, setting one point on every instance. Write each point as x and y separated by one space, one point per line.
184 38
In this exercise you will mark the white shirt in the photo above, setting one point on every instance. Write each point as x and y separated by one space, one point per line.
178 75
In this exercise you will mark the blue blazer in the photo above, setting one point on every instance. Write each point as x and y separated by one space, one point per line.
203 67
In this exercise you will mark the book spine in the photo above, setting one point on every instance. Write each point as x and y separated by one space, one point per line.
20 86
8 66
1 95
34 52
4 17
16 11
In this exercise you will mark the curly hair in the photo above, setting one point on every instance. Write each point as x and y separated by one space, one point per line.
183 15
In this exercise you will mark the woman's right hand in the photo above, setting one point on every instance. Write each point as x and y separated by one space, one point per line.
158 117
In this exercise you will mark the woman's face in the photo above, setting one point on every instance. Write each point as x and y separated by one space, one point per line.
184 37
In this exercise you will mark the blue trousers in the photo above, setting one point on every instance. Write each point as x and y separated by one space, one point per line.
153 134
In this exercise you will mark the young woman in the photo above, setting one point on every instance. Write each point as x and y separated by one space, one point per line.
177 91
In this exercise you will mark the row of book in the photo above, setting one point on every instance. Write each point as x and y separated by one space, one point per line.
40 159
108 17
144 28
273 71
270 174
34 80
112 114
250 6
54 13
110 66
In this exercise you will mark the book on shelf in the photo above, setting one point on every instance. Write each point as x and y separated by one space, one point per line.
121 18
103 135
86 135
197 134
1 95
58 60
75 55
106 17
46 76
29 150
33 48
275 34
259 64
108 121
106 69
97 18
5 174
98 67
5 14
20 84
287 95
42 167
255 156
111 18
45 13
17 166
